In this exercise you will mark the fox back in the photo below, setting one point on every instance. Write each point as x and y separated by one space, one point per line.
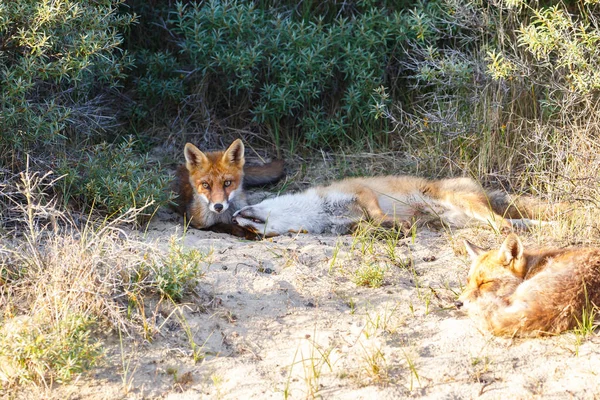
518 292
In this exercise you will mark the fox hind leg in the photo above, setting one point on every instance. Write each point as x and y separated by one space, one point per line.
477 207
526 223
481 210
368 201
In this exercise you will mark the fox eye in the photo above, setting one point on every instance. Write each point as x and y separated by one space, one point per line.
227 183
205 185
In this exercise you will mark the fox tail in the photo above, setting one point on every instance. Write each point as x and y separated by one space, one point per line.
265 174
516 207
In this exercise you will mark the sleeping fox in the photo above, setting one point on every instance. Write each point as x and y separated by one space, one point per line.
514 291
391 201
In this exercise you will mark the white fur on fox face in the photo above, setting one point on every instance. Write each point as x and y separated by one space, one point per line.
464 300
225 204
233 194
204 198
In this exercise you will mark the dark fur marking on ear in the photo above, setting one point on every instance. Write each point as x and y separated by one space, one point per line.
235 153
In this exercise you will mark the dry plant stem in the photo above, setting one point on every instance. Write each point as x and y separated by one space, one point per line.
60 279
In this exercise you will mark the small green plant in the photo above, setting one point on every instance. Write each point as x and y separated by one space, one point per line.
370 275
427 300
480 367
391 239
377 321
414 374
286 390
34 349
334 257
198 351
365 238
178 271
313 365
173 371
587 324
127 372
218 381
411 308
375 365
352 305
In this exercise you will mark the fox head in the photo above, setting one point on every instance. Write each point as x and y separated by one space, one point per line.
494 272
288 213
275 216
217 176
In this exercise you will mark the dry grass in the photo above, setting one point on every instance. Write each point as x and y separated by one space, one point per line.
64 277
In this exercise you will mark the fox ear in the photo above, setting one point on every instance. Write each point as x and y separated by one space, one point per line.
193 156
472 250
235 153
511 249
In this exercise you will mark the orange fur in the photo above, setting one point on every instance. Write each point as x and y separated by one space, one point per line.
209 186
454 193
513 291
392 201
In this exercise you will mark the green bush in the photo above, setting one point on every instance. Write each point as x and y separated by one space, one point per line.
114 178
554 47
57 58
35 350
319 80
157 83
178 272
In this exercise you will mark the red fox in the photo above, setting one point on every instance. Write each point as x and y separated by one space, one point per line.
209 186
514 291
392 201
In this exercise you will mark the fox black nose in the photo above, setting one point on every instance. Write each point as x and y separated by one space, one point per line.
218 207
458 304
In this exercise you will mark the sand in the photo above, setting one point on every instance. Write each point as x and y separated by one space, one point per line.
284 318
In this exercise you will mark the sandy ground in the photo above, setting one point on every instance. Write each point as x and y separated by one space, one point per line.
283 318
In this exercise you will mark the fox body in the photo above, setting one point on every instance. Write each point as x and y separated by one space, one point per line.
514 291
209 186
392 201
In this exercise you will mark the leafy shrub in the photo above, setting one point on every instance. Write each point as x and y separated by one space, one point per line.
547 64
157 84
37 351
57 57
178 272
508 92
555 47
322 81
115 178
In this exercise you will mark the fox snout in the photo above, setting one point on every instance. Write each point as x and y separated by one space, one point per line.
458 304
218 207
